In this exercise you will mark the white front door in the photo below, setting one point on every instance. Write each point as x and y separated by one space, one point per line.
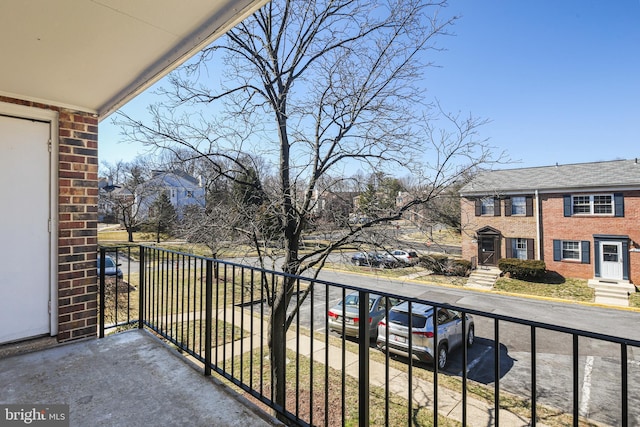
611 260
25 279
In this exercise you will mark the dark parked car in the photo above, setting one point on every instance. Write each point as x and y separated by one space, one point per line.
110 267
350 311
373 259
450 334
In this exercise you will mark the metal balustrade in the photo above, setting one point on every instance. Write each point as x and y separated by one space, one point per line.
218 313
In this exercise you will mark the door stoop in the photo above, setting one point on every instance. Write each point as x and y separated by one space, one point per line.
612 292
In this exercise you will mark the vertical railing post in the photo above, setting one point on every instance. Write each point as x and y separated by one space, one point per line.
465 362
102 292
625 384
534 387
141 287
208 317
363 359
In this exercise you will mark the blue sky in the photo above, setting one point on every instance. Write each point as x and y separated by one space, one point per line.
558 80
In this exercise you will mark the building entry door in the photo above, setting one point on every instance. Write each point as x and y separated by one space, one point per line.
488 247
611 260
25 282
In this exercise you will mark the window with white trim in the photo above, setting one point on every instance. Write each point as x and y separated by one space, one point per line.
601 204
520 248
570 249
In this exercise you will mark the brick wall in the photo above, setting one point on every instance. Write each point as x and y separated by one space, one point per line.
516 226
556 226
77 221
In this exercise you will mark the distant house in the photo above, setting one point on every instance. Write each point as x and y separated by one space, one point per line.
583 220
333 205
182 189
416 213
111 197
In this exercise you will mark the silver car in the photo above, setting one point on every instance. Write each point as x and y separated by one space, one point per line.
450 333
110 267
349 311
404 258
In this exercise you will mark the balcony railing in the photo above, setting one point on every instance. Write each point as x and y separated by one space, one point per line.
218 313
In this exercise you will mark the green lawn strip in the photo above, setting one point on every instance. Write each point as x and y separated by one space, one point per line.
443 237
174 293
569 289
191 334
634 300
311 386
383 272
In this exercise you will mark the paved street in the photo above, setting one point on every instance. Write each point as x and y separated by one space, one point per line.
598 362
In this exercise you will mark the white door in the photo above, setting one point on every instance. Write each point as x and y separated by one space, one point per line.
24 227
611 260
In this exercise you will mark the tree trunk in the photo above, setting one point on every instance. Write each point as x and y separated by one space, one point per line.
277 347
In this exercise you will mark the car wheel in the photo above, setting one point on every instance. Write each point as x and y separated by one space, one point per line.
442 356
471 336
358 263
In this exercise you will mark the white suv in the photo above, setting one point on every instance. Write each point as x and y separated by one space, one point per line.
420 327
407 257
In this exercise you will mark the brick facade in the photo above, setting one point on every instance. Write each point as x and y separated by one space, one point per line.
555 226
77 220
515 226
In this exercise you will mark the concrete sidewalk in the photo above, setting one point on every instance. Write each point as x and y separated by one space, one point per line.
479 413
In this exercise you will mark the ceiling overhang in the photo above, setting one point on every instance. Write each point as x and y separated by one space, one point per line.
96 55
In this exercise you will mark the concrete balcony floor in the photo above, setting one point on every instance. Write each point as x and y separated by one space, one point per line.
125 379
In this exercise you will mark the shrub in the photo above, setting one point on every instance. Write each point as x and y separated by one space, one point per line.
441 264
460 267
523 268
435 263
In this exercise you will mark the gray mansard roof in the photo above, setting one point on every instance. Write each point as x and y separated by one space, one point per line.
617 174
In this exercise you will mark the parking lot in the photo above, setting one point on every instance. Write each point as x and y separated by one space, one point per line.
599 370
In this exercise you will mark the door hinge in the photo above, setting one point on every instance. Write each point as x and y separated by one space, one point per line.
49 306
49 146
49 225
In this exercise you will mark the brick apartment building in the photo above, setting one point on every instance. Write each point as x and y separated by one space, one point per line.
583 220
67 65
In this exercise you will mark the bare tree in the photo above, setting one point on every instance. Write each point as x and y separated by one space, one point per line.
316 88
125 178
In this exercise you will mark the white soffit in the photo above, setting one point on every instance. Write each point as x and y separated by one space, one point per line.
95 55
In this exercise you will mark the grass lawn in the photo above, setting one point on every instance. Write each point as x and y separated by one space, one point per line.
308 392
444 237
634 300
568 289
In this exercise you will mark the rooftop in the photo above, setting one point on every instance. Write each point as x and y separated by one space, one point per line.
617 174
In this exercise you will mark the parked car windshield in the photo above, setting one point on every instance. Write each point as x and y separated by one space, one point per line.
402 318
108 262
353 299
